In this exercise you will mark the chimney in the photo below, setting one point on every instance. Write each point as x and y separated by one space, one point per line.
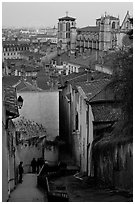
16 39
34 81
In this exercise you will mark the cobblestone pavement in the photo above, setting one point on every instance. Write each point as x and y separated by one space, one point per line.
28 191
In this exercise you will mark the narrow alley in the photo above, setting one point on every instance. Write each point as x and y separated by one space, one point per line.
67 102
28 191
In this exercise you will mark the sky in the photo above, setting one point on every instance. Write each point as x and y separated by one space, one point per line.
46 14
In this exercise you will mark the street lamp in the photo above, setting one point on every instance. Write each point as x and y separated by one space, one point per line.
20 102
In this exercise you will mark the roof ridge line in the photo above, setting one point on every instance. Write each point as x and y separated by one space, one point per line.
98 92
76 77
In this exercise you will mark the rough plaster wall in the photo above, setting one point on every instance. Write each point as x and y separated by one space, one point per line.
4 165
11 173
26 154
83 137
117 171
76 147
42 107
90 140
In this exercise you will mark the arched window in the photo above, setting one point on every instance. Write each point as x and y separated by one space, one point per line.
113 25
67 26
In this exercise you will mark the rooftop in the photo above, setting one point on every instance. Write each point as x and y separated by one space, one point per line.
89 29
10 99
67 18
84 76
32 54
93 88
83 60
106 112
42 82
24 85
15 43
108 16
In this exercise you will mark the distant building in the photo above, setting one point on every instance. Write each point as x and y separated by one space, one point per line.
13 49
67 33
107 34
51 31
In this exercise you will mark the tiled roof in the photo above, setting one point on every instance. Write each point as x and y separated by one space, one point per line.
105 112
72 76
94 87
82 61
42 83
22 64
10 99
26 86
69 77
15 43
79 60
82 78
33 54
67 18
10 80
89 29
41 80
64 57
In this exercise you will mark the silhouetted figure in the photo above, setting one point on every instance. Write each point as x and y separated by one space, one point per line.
20 171
41 162
38 165
33 165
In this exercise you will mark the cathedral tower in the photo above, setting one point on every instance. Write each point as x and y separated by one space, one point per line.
66 32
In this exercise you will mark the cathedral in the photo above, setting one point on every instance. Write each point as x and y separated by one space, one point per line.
107 34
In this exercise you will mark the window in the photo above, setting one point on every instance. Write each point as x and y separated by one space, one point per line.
61 26
67 35
67 26
113 25
87 117
76 121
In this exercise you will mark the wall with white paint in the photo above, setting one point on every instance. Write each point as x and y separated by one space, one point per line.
43 108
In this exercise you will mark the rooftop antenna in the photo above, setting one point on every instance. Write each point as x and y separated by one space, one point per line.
66 13
105 13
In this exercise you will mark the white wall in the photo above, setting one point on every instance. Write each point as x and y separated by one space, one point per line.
103 69
43 108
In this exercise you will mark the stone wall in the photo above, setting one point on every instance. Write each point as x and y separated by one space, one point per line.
114 165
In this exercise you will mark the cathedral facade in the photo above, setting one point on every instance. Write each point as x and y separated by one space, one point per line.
106 34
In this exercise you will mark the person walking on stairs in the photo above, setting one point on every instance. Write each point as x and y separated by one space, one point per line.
33 165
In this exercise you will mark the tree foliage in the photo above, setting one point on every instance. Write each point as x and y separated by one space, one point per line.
29 128
123 80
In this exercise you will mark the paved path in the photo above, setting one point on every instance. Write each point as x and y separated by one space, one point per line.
28 191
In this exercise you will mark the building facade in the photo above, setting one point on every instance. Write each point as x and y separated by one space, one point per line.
13 49
9 164
67 33
107 34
